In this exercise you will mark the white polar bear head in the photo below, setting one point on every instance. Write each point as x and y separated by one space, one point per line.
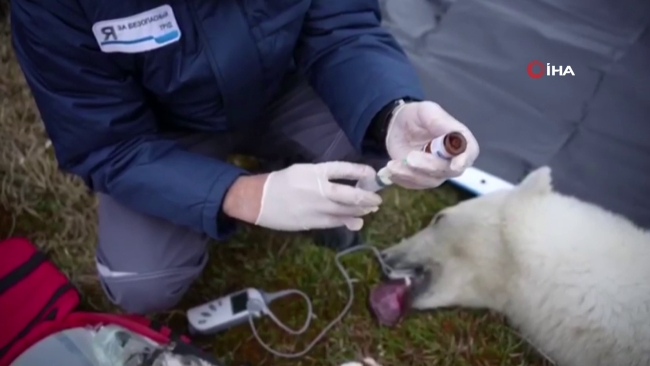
463 256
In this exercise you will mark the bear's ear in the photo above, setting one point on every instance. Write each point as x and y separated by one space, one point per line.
538 182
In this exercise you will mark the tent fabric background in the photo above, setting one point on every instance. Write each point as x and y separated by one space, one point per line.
592 129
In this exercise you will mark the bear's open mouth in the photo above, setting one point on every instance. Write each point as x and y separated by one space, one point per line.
422 284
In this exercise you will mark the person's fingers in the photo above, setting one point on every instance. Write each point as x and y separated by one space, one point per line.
348 195
458 163
432 164
415 182
405 170
411 178
331 221
338 209
408 184
428 164
345 170
353 223
432 118
398 172
435 120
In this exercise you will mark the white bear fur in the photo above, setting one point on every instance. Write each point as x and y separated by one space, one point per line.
573 278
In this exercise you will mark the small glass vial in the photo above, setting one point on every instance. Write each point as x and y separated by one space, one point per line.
447 146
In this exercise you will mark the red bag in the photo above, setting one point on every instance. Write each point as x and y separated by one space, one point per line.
37 300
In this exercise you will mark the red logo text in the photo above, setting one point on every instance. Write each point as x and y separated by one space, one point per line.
536 69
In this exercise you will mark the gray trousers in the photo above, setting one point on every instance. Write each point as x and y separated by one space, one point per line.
146 264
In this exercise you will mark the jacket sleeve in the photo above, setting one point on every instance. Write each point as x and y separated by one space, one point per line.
101 127
353 63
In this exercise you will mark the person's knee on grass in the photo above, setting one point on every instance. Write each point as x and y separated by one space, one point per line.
145 264
146 293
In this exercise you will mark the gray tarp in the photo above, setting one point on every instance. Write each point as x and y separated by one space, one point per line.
592 129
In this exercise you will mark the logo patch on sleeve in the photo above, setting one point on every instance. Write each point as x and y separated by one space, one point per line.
142 32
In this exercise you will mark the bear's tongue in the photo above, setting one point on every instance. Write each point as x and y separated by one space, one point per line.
387 301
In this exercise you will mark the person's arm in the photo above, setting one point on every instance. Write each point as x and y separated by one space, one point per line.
354 64
100 125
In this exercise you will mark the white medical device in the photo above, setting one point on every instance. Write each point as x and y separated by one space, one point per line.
225 312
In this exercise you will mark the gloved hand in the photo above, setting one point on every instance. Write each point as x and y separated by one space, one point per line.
414 125
301 197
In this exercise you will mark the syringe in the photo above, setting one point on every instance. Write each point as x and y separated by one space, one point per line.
445 147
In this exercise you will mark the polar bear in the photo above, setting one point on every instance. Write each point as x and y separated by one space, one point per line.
573 278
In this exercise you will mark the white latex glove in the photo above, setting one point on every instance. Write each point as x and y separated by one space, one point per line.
301 197
413 126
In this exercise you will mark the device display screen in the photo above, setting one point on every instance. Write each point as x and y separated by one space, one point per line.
238 302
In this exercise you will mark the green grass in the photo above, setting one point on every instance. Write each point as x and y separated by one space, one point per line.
57 213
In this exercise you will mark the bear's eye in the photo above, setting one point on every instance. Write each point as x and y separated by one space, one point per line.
437 218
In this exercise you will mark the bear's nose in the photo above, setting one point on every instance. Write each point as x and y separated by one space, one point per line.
400 262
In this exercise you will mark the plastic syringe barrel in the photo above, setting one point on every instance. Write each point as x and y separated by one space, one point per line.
446 147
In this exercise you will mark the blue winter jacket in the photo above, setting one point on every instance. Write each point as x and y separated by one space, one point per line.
105 82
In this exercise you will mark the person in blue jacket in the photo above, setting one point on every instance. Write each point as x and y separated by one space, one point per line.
144 100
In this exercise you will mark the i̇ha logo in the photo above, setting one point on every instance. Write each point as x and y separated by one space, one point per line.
548 70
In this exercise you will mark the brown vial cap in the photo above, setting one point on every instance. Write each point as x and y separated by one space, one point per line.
455 143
